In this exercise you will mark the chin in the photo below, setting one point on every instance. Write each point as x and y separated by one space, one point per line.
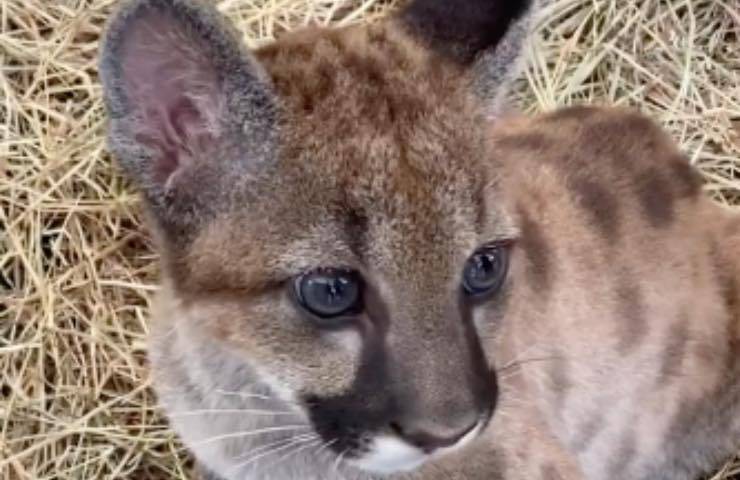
388 455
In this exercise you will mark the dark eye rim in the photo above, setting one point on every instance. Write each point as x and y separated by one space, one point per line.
332 320
503 247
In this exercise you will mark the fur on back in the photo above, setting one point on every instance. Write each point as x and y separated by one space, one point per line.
628 297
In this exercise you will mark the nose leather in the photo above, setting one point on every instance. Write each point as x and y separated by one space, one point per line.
429 440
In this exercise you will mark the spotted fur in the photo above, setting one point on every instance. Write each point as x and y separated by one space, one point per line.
610 352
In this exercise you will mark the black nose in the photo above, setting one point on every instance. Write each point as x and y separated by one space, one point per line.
430 438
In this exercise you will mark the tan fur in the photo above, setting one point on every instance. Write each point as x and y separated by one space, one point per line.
635 323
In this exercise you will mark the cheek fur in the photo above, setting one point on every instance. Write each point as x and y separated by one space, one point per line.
272 337
347 340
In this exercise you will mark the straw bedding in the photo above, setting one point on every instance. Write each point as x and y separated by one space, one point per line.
77 268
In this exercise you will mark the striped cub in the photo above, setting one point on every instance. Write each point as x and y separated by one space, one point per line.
368 273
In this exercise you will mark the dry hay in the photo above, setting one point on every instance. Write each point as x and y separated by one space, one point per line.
77 269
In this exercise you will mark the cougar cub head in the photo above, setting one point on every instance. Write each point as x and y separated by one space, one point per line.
329 230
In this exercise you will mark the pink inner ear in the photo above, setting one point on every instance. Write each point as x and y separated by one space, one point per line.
173 89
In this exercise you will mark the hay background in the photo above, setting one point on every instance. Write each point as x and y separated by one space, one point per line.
77 268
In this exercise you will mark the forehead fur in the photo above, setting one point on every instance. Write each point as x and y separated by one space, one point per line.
381 148
368 111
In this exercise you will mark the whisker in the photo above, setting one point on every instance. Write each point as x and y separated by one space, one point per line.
326 445
276 443
513 402
313 443
229 410
527 360
249 433
245 394
335 467
518 356
291 443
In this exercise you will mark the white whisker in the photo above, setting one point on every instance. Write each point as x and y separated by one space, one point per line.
335 466
230 411
249 433
312 443
245 395
519 355
270 445
291 443
326 445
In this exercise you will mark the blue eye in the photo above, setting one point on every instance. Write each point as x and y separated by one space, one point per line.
485 270
329 292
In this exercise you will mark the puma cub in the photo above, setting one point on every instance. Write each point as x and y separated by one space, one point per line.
369 273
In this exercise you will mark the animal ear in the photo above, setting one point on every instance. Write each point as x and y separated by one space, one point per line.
189 108
486 36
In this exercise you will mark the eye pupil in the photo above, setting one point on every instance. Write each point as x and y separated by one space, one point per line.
484 265
334 291
485 271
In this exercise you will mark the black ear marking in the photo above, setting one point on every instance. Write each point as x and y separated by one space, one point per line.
487 36
189 108
462 30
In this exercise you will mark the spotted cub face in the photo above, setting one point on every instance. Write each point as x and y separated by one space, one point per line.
331 230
